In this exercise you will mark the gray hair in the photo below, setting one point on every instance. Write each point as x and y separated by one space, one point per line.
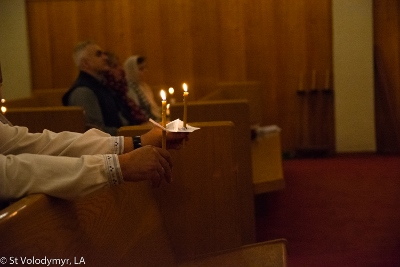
79 51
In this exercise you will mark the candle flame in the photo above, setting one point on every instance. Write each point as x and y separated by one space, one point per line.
171 90
184 86
3 109
163 96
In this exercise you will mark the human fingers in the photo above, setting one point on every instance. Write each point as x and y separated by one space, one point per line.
157 179
176 136
165 164
165 155
177 140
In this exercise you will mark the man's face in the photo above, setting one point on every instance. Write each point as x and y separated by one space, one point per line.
96 59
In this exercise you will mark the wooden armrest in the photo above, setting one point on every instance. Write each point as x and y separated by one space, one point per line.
270 253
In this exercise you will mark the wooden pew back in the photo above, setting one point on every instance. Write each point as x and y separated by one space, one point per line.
50 97
248 90
201 208
113 227
56 119
236 111
39 98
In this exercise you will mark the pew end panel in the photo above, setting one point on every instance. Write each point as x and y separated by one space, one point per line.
203 202
56 119
236 111
267 163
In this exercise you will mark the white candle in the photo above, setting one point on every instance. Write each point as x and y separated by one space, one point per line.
164 118
185 94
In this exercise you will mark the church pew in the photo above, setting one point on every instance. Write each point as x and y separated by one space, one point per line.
259 161
56 119
39 98
249 90
50 97
135 225
236 111
112 227
267 163
206 200
24 102
119 226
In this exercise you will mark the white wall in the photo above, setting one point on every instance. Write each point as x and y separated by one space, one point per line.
14 49
353 75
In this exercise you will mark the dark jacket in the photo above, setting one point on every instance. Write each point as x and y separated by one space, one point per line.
110 103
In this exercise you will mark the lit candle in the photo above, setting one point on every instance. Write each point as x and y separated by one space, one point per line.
164 118
185 94
168 112
171 92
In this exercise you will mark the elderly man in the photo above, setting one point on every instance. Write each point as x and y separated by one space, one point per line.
104 109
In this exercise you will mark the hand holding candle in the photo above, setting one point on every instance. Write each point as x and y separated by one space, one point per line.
164 118
185 94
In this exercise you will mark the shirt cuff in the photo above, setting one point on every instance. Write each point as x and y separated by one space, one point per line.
118 144
113 170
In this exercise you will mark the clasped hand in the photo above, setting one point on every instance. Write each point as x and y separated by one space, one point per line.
150 162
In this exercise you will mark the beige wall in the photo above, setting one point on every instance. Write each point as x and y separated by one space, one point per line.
353 75
14 49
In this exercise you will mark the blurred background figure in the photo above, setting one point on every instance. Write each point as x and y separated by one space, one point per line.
115 79
138 89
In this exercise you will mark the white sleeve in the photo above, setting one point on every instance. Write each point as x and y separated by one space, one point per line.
62 177
65 165
17 140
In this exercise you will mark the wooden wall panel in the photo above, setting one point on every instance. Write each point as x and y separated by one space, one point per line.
201 43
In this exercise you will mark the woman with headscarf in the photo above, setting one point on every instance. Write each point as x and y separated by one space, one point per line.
138 89
115 79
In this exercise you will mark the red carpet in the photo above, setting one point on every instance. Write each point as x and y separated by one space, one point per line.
339 211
